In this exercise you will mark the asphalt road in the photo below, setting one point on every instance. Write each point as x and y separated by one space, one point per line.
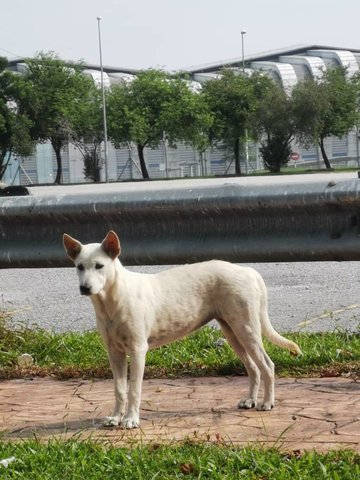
189 183
314 296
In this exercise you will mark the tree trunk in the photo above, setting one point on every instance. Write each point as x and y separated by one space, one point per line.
323 153
97 175
144 170
96 164
57 146
237 157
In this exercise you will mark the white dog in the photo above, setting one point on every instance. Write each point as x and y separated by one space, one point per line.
136 312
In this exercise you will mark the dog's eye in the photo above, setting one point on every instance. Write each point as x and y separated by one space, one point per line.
80 267
98 266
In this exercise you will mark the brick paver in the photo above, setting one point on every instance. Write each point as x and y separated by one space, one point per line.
310 413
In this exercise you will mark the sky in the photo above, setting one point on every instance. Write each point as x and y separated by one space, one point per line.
172 34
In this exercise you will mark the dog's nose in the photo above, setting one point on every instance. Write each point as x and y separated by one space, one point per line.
84 290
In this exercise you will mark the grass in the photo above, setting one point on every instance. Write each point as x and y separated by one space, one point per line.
290 169
302 169
74 354
86 459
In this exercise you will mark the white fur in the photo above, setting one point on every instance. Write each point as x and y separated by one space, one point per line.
136 312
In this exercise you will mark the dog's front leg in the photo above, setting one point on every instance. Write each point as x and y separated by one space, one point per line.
118 363
137 366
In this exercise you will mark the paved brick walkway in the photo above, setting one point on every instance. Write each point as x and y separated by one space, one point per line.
314 413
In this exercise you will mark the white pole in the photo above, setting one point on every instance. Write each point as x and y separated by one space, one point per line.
357 136
243 32
165 155
103 104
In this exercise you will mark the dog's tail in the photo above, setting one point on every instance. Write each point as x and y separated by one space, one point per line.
274 337
269 331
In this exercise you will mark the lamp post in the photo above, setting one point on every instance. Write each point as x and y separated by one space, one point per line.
103 103
243 32
357 136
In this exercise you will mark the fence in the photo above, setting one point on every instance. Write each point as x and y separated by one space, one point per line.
274 223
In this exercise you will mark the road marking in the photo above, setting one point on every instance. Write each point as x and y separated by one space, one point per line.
327 315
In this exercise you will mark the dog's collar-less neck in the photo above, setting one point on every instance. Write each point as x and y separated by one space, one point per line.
103 310
104 301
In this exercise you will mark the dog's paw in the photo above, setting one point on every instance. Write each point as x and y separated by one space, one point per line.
246 403
130 422
264 406
111 421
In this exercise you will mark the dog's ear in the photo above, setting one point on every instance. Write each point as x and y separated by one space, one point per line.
111 245
72 246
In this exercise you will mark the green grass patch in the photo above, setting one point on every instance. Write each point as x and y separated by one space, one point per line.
75 354
301 170
288 170
85 459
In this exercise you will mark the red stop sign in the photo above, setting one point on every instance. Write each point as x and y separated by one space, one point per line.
295 156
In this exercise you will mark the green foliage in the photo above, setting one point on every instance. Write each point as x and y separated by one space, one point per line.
275 151
49 349
154 107
14 126
190 459
93 163
325 106
56 102
272 123
87 132
231 99
188 118
53 100
203 353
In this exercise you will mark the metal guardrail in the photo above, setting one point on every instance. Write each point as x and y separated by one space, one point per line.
295 222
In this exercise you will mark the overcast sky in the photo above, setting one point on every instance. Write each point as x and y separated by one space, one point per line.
172 34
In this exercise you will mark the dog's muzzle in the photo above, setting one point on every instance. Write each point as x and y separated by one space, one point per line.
84 290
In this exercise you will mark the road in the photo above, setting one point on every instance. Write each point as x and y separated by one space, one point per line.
189 183
314 296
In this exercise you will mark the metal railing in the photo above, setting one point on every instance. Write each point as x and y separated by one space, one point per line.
274 223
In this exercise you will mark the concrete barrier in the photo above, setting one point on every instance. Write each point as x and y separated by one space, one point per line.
251 223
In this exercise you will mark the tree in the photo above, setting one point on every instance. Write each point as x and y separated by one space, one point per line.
55 90
272 124
188 117
325 107
155 106
14 127
87 132
231 98
275 151
93 163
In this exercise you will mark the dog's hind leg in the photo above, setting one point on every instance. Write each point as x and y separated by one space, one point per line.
118 363
256 352
250 337
266 367
251 368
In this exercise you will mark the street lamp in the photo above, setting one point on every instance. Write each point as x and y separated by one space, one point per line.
357 136
243 32
103 103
